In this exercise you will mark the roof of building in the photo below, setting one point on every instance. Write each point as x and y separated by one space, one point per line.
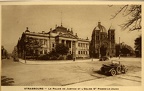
111 28
100 27
59 31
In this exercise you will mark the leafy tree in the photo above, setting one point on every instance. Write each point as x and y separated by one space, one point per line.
31 44
53 55
133 12
61 49
138 46
123 49
5 81
57 53
4 53
15 54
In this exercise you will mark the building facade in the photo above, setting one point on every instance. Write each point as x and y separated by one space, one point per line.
44 42
102 42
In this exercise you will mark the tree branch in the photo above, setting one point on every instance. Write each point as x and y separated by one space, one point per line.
124 7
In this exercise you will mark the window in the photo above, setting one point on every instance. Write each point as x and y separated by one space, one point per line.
79 44
83 52
97 32
112 32
41 52
78 52
45 51
45 42
112 51
97 37
53 45
62 41
112 36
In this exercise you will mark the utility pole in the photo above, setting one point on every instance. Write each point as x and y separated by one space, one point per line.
25 51
92 55
25 56
61 18
119 48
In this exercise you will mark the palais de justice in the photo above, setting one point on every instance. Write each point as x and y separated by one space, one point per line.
78 47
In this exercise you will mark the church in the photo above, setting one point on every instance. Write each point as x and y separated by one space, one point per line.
78 47
102 42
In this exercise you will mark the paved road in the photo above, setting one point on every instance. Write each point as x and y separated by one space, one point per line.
129 79
69 73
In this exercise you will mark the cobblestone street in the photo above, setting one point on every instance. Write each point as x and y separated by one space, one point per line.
69 73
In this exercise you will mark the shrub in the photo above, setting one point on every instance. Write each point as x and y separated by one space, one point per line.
69 57
61 58
53 57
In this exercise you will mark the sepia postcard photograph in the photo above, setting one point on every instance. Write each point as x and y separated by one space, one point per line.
69 46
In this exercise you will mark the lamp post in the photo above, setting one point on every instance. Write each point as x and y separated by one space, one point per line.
92 55
25 43
119 48
99 52
73 50
25 56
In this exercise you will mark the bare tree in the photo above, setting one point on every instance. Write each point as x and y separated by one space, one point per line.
133 12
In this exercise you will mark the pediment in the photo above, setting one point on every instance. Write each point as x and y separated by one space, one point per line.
67 35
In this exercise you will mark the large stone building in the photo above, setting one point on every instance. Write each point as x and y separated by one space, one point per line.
46 42
102 42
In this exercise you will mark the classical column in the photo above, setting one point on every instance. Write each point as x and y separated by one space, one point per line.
42 51
74 50
60 41
64 42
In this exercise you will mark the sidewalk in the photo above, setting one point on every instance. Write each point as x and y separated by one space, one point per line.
55 61
58 61
62 61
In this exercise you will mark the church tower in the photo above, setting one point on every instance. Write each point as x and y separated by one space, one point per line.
111 38
102 42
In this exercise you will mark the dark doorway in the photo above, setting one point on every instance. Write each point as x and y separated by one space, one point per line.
103 51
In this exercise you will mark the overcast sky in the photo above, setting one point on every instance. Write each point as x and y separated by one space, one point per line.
82 18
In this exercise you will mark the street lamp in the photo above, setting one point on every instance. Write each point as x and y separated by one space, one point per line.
99 52
92 55
73 50
119 48
25 43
